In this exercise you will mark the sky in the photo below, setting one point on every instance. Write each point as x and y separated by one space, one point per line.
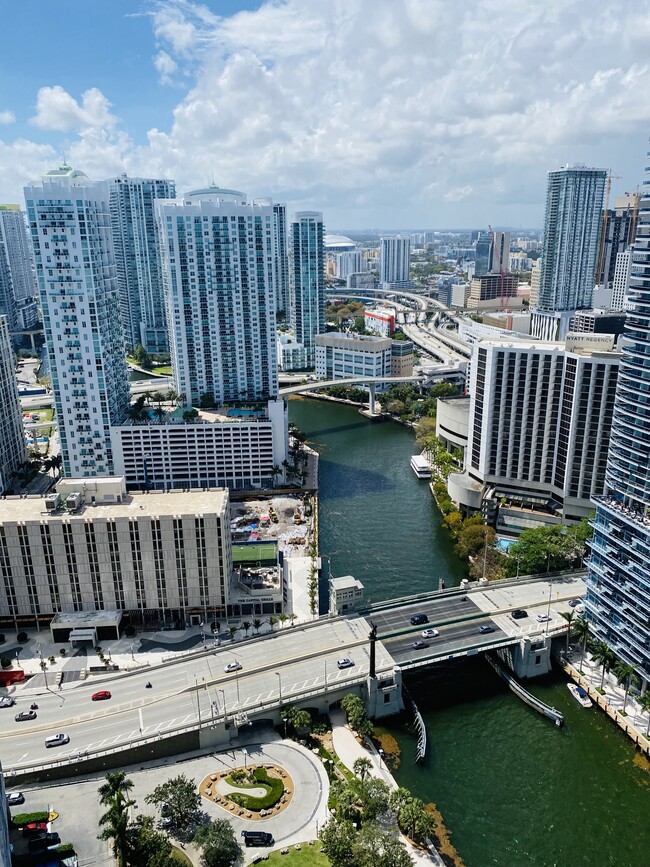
393 114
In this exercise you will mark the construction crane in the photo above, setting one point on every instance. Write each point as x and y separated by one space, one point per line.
603 228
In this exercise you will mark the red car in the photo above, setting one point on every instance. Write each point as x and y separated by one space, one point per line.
101 696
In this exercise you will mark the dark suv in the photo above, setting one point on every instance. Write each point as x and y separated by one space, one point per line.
257 838
419 619
519 614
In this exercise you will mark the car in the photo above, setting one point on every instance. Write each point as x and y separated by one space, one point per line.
430 633
419 645
232 666
573 603
419 619
519 614
485 629
42 840
15 798
25 715
542 618
7 701
31 829
102 695
257 838
165 822
346 662
164 809
57 740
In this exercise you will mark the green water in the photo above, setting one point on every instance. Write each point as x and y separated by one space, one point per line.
513 789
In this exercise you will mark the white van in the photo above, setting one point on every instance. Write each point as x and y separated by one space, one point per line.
57 740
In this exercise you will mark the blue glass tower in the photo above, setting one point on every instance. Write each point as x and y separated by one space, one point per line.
618 599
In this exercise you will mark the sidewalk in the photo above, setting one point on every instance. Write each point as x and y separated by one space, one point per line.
348 749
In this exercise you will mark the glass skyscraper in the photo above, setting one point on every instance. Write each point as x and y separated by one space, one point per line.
618 598
307 259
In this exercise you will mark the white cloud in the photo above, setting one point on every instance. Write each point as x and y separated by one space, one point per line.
56 109
7 117
423 112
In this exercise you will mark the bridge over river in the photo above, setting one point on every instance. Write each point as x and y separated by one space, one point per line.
194 703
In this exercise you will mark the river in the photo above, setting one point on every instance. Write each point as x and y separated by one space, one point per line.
513 789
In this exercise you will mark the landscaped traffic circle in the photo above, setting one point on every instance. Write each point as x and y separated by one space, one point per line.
255 792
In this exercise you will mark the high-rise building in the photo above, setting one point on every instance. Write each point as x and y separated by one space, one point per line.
18 292
621 281
539 426
574 202
394 259
492 254
12 435
70 224
618 597
350 263
619 225
137 257
281 259
307 268
218 255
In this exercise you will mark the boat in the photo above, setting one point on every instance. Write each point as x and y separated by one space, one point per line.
420 466
580 695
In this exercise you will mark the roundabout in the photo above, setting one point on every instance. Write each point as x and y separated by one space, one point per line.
258 791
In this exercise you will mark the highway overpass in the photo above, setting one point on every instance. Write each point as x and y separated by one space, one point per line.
370 381
192 696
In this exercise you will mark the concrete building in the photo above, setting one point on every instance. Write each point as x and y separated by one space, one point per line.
18 291
291 354
619 226
70 224
621 279
539 426
158 558
346 594
492 253
572 225
350 263
598 321
618 597
452 422
459 294
222 448
380 320
394 259
340 356
493 291
519 262
281 260
535 277
401 355
138 260
220 307
307 272
12 434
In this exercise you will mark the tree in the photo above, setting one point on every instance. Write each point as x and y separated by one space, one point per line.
246 626
371 847
338 840
142 357
582 631
272 621
300 719
257 623
604 656
644 704
147 847
114 822
568 616
219 847
182 797
362 767
232 631
623 672
57 463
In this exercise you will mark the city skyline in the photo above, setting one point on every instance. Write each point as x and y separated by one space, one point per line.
299 103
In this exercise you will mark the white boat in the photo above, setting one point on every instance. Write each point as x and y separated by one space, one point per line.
420 466
580 695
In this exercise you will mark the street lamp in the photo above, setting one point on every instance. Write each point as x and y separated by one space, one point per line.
284 720
325 675
381 756
245 752
279 677
223 699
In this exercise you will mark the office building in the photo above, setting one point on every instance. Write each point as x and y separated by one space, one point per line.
539 427
401 358
70 223
137 257
493 291
621 280
619 226
492 254
598 321
572 224
157 558
380 321
618 597
281 259
219 265
350 263
307 270
394 259
12 436
341 356
18 292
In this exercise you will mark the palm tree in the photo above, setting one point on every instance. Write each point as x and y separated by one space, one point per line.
293 617
623 672
362 767
160 413
283 619
568 616
644 704
246 626
257 624
181 397
582 632
603 655
113 794
272 621
233 631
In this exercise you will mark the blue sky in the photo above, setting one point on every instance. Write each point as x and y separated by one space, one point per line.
381 113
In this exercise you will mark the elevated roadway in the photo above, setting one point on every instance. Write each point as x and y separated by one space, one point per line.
296 665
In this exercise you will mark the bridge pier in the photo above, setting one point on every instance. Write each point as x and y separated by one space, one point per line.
371 404
531 657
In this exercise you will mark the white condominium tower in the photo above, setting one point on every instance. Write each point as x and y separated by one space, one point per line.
70 224
281 260
394 259
307 267
137 257
17 280
12 435
574 204
218 255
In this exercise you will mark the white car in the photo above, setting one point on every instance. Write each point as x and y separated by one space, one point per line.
346 662
232 666
542 618
430 633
